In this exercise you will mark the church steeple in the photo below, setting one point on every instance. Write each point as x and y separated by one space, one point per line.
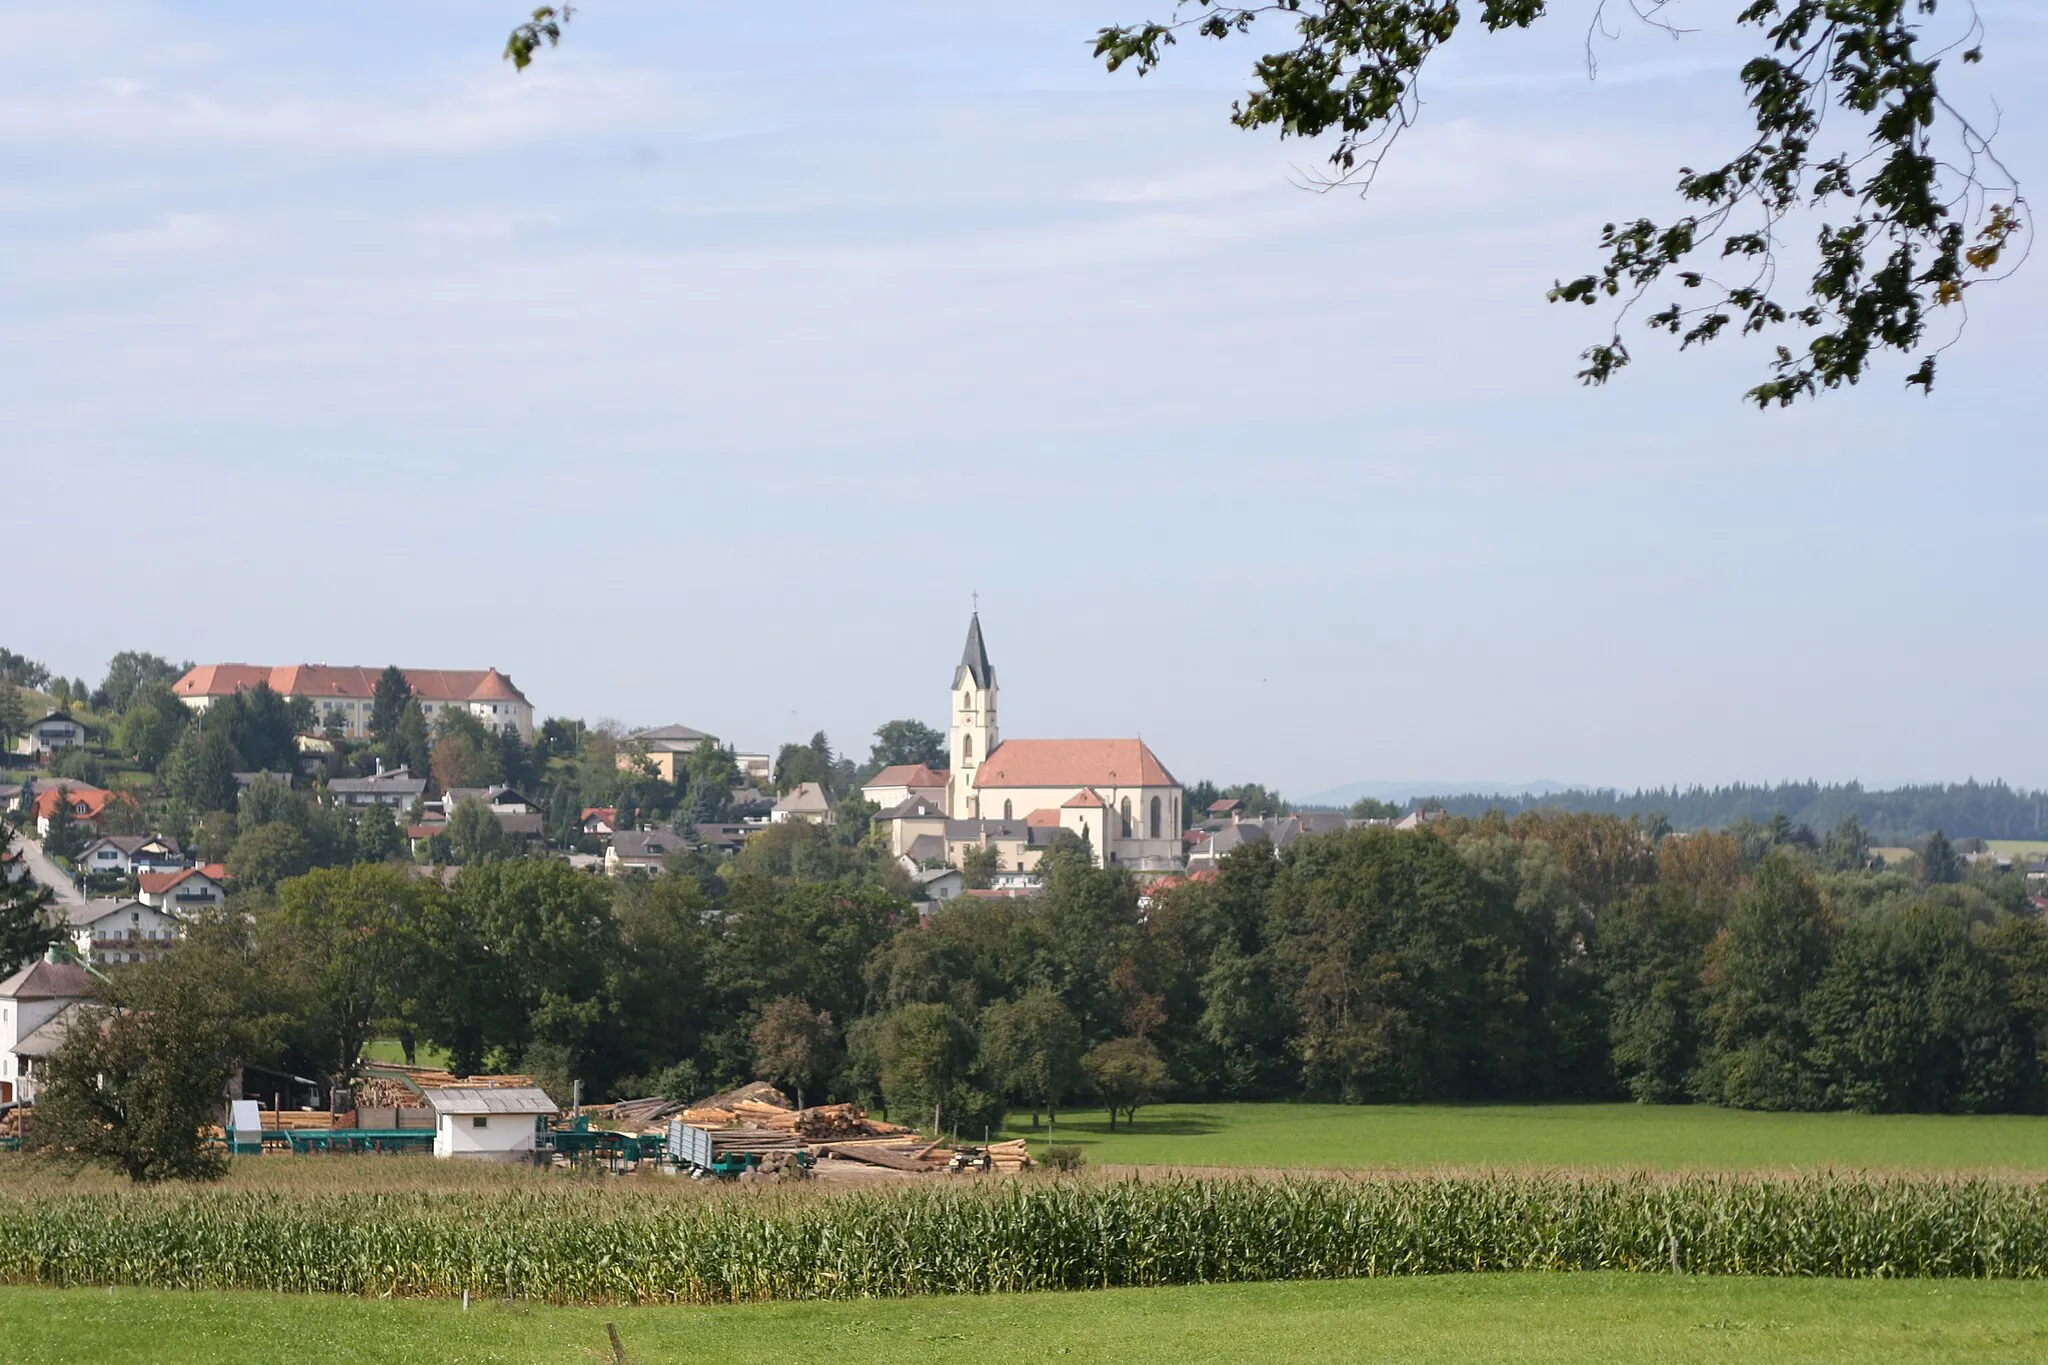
973 722
974 659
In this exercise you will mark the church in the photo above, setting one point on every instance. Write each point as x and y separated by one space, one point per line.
1115 793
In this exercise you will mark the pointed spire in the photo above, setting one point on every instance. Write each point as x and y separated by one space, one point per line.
974 658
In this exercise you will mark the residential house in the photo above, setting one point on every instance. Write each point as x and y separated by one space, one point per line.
122 855
526 827
57 730
345 696
723 839
502 800
37 1006
600 821
394 787
118 931
186 891
88 805
667 747
641 850
1210 844
487 1123
804 801
939 884
757 769
895 785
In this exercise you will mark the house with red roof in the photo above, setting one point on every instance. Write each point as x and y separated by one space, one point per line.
346 694
88 805
1114 793
184 891
894 785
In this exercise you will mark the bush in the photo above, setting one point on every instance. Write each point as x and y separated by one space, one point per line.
1063 1156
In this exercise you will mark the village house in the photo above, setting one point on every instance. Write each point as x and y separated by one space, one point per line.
88 806
37 1005
804 801
122 855
57 730
501 800
344 696
666 747
895 785
600 821
394 787
641 850
186 891
119 931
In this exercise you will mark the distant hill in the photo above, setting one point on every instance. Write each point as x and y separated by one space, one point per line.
1962 810
1401 793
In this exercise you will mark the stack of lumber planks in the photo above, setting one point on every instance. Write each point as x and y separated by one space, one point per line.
1009 1156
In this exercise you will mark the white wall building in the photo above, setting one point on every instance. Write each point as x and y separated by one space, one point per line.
347 694
477 1123
36 1008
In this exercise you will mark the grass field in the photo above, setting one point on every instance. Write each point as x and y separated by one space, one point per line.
1584 1136
2018 848
1527 1319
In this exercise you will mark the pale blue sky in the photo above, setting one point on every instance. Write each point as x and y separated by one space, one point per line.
702 372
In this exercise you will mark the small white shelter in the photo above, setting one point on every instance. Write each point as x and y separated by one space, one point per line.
485 1124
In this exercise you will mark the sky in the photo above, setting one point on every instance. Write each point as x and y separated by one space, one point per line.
709 369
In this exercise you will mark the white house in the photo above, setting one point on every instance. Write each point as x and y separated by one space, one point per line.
479 1123
394 787
895 785
57 730
346 695
501 800
36 1008
641 850
122 854
805 801
184 891
118 931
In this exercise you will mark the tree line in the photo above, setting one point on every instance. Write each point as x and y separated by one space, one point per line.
1548 956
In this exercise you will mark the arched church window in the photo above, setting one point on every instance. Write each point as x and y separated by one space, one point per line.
1126 812
967 746
1154 834
1006 810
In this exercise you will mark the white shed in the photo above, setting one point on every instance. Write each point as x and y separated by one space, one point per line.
485 1124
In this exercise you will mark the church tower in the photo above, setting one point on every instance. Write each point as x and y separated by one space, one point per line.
973 728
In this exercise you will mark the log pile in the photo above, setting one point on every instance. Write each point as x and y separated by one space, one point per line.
1009 1156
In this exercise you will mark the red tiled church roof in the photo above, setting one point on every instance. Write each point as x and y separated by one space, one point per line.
1073 763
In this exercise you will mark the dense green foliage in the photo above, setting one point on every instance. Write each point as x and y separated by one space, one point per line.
588 1245
1902 816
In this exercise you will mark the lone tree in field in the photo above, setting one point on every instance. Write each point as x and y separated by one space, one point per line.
1031 1048
1126 1072
1855 139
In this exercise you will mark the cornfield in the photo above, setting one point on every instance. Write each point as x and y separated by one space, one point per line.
580 1244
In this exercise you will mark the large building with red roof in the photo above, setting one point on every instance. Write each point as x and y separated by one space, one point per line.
346 693
1115 793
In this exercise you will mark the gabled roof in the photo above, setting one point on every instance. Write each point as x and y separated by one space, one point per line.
1045 817
907 775
129 843
1073 763
48 981
1085 798
479 1099
913 808
648 843
81 914
47 1037
156 883
974 658
806 798
925 848
671 738
84 797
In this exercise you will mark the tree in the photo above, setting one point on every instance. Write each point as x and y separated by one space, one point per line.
81 765
1940 864
1126 1072
62 838
266 857
130 671
979 865
1651 953
1031 1048
377 836
1912 207
925 1053
1847 847
21 671
349 934
799 763
474 833
13 715
141 1072
907 741
794 1045
465 754
269 801
412 747
151 723
1369 808
388 702
1758 973
26 924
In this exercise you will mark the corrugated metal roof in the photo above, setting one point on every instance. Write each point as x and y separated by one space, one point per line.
476 1099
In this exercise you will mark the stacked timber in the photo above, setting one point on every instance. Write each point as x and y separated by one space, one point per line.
1009 1156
